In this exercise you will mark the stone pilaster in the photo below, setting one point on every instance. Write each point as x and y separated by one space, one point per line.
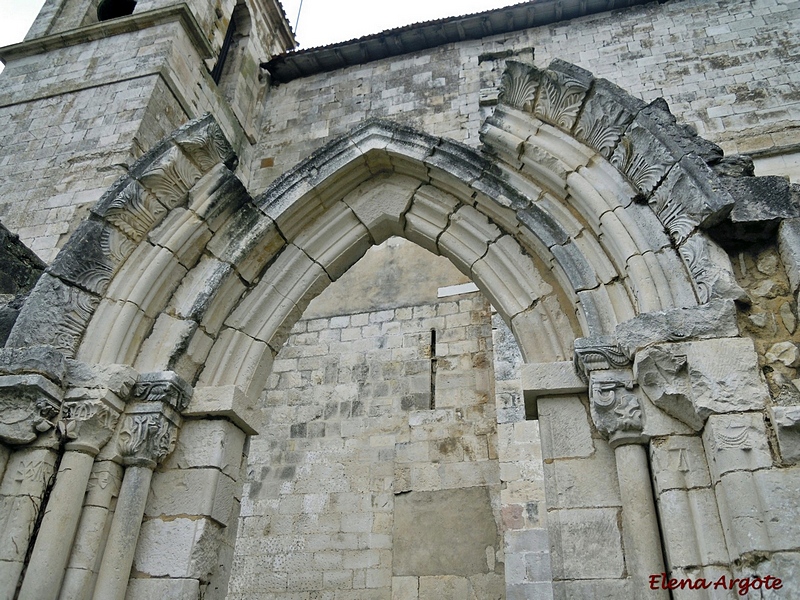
87 424
147 435
30 403
617 414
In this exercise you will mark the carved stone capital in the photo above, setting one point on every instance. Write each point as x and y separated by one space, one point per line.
616 410
163 386
148 433
29 405
89 418
150 424
597 353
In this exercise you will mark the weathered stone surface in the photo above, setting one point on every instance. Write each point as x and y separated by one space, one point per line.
736 442
784 352
679 462
578 483
711 270
197 492
226 401
55 314
789 245
165 589
716 319
762 203
425 529
692 380
208 443
549 379
694 536
586 543
565 430
786 421
179 548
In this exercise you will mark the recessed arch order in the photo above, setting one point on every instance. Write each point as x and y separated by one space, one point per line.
584 208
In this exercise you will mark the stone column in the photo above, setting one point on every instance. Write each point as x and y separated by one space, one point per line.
88 421
148 434
30 401
617 414
90 540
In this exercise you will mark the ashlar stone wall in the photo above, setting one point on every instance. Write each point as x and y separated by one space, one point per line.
726 67
377 474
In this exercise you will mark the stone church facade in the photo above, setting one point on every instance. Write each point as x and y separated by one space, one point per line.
497 306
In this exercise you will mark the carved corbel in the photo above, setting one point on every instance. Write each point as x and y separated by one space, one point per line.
150 424
616 410
30 392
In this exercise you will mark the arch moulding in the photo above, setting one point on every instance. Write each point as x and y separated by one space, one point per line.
582 219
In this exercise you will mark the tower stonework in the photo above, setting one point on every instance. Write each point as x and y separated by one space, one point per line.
82 99
502 306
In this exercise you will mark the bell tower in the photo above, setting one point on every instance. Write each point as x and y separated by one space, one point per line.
97 82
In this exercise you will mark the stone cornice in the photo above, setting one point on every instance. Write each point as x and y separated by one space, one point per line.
112 27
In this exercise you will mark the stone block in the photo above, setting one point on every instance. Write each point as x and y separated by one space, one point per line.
271 309
778 489
381 203
148 278
248 241
544 332
208 443
467 238
226 401
443 587
184 234
239 360
603 589
195 492
679 462
786 421
428 217
583 482
586 543
564 427
736 442
179 548
692 380
336 240
510 278
789 245
164 589
425 527
55 314
692 529
716 319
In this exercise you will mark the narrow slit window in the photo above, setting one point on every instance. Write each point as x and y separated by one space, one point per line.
433 369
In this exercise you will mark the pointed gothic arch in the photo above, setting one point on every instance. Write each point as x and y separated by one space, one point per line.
584 209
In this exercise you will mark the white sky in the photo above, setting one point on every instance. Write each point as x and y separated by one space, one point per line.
321 21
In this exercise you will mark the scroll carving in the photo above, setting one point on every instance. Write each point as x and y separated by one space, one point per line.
150 426
616 411
87 424
597 353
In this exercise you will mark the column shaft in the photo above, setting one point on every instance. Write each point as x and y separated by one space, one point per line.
115 570
639 521
57 531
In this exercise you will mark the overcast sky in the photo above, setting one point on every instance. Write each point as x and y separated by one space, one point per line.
321 21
